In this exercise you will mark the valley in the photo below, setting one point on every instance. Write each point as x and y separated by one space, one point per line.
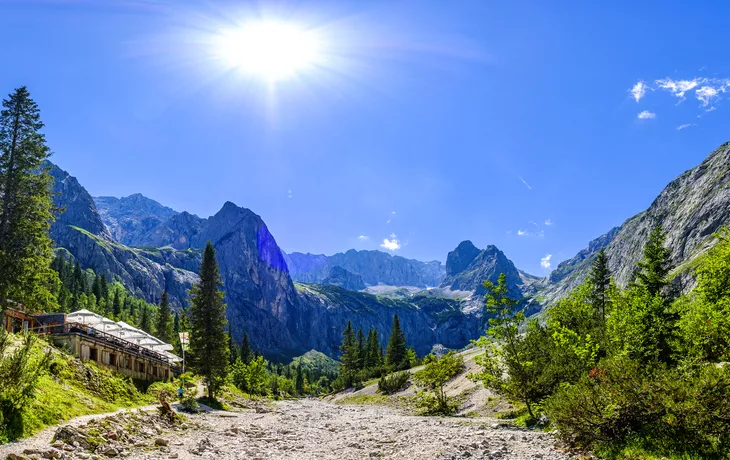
291 303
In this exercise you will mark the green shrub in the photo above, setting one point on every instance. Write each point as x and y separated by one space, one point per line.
394 382
432 378
672 410
189 402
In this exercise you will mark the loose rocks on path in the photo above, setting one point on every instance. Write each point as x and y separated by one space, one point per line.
311 429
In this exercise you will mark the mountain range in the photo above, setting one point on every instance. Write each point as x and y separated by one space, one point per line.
291 303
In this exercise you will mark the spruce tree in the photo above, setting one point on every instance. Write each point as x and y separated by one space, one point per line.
176 323
600 278
145 320
96 288
654 267
117 304
299 381
208 341
396 357
164 320
360 350
247 354
26 207
234 353
104 290
348 359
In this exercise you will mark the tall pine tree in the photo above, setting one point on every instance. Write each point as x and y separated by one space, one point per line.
600 278
396 357
208 338
654 268
145 319
348 359
247 354
164 320
26 207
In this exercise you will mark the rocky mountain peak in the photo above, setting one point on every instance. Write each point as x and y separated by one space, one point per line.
79 209
461 257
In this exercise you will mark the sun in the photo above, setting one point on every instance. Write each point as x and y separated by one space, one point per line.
272 50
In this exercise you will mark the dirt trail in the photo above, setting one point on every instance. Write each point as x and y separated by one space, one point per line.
313 429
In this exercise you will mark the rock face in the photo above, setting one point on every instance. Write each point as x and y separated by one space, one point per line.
340 277
690 209
285 320
80 230
375 267
467 267
177 232
425 320
78 207
131 217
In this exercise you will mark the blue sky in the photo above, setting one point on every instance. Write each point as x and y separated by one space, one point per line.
507 123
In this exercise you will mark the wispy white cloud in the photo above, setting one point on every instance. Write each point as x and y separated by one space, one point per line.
545 261
525 182
390 217
685 126
532 222
548 222
527 233
678 87
289 194
639 90
391 244
363 237
707 94
646 115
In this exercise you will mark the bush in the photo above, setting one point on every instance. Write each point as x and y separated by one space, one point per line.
189 402
394 382
432 378
673 410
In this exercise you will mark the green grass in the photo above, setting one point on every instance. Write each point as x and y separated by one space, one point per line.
641 448
71 389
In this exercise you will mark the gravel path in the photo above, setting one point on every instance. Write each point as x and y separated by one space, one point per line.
312 429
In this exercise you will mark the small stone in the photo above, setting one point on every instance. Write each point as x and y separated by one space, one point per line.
161 442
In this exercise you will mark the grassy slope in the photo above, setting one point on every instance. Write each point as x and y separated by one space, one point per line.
72 388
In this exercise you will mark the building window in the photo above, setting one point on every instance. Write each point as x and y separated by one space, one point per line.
112 359
128 362
93 355
140 367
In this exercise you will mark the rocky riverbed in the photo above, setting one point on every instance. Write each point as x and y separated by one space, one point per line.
302 429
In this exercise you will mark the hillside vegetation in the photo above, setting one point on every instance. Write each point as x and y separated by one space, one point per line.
65 387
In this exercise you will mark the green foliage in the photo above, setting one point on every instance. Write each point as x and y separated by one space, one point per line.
21 367
432 378
628 372
678 409
654 267
208 339
704 323
163 326
64 388
349 359
26 207
509 366
393 383
396 357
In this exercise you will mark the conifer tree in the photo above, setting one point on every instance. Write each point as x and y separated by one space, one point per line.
104 290
79 284
348 360
26 207
164 320
234 353
208 341
360 350
247 354
145 320
96 288
299 381
176 323
600 278
117 304
396 357
654 267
